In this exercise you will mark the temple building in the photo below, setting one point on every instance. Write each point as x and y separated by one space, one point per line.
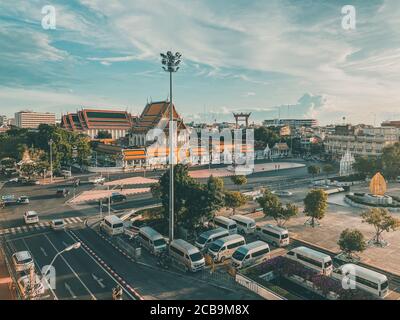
93 121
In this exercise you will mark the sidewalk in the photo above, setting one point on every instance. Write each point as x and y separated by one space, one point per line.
5 281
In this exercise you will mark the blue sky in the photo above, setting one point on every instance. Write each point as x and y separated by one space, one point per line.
259 56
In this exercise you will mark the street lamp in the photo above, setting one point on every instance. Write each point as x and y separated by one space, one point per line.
170 64
74 246
51 160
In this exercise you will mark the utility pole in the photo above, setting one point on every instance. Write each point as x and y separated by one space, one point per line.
170 64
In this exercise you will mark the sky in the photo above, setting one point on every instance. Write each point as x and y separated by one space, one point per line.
278 57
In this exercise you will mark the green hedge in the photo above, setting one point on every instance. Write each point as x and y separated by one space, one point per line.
360 201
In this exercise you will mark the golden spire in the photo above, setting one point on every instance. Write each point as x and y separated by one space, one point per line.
378 185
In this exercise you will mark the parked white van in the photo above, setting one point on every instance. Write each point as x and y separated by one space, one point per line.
152 240
273 234
363 278
187 254
312 259
226 223
245 225
112 225
223 248
205 239
250 254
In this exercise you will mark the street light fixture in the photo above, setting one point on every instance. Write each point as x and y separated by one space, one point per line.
170 62
74 246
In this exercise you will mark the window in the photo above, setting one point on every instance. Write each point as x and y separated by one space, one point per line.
238 255
202 239
367 283
309 260
177 251
220 236
215 247
260 253
384 285
235 245
285 236
118 225
159 242
196 257
290 253
233 226
328 264
271 234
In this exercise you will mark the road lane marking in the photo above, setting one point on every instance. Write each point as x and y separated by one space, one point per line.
70 290
100 265
73 271
44 251
99 281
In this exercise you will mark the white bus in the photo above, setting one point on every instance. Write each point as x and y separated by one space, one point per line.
112 225
223 248
152 240
250 254
226 223
363 278
273 234
187 254
312 259
245 225
205 239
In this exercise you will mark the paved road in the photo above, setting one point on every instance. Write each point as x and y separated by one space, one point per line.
78 275
156 283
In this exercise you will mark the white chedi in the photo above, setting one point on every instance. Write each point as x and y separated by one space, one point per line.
346 164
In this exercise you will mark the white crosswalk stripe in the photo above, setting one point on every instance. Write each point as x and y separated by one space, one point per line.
39 226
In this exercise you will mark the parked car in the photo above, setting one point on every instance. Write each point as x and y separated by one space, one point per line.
25 288
31 217
22 261
62 193
57 224
23 200
117 197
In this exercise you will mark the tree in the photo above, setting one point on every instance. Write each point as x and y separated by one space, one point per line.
367 166
28 169
315 205
382 221
350 241
391 161
215 195
313 170
239 180
328 169
272 207
264 136
104 135
234 200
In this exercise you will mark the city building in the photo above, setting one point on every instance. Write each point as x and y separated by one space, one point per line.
296 123
92 121
360 141
32 120
3 120
395 123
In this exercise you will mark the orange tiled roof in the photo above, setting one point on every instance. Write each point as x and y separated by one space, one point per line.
152 114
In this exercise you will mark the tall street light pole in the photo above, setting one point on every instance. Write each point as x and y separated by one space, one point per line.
51 160
170 64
